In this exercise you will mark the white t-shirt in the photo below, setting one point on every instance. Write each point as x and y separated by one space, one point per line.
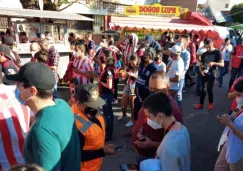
174 151
176 68
161 67
225 51
200 51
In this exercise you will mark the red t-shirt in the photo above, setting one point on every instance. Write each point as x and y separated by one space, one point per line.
234 103
238 56
142 127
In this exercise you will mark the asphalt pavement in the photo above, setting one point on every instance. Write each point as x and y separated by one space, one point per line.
203 125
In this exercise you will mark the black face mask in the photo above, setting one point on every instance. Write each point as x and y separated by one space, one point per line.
91 111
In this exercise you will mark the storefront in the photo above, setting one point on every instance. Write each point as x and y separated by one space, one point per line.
156 19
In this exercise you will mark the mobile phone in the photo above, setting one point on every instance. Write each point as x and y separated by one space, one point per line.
220 115
129 167
119 148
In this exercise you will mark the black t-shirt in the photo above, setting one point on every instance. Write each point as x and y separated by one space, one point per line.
108 73
213 56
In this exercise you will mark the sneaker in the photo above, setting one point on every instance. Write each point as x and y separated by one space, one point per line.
198 106
210 106
129 124
120 118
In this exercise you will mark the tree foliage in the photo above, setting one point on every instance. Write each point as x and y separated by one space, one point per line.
237 13
49 5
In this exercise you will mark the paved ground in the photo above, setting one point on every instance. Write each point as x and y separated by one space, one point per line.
204 128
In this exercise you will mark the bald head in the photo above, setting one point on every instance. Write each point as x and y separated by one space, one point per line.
159 80
34 47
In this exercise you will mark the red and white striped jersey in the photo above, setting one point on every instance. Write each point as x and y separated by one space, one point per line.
83 65
14 125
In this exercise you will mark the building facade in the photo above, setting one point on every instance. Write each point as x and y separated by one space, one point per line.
222 5
190 4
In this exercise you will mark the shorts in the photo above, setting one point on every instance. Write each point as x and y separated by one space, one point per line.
129 89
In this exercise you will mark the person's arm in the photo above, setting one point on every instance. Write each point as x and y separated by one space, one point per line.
236 131
148 143
53 56
46 149
220 62
108 83
170 160
187 63
227 121
87 155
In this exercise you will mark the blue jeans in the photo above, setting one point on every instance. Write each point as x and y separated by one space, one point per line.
199 79
223 70
179 93
108 114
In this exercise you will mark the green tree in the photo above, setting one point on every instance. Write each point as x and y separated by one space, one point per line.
50 5
237 13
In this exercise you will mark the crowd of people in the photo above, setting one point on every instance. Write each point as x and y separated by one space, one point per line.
39 131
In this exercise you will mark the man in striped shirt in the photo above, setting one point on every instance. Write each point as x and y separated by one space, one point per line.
14 125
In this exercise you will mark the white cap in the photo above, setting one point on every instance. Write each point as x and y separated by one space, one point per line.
175 49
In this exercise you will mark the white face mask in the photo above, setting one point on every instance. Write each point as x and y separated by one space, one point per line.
239 101
75 54
154 124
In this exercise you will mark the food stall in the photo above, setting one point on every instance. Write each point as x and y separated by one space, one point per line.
35 23
156 19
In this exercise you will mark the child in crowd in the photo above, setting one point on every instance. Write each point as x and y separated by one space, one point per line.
128 95
159 62
73 83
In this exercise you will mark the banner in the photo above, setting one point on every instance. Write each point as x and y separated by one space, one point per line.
155 10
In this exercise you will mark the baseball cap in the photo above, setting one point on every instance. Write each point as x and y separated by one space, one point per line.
175 49
6 50
37 74
88 94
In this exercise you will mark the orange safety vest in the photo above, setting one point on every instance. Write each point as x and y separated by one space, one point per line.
94 137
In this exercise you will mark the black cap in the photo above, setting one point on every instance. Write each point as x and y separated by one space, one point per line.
37 74
88 94
208 41
8 40
6 50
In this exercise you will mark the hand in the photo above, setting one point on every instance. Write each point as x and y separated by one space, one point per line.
148 143
230 68
203 74
109 149
225 120
131 74
210 64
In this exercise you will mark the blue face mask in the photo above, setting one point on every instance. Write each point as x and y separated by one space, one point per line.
179 44
17 95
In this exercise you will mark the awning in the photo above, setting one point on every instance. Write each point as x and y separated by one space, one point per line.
81 9
28 13
155 23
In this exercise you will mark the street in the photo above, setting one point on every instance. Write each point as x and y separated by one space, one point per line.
204 128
